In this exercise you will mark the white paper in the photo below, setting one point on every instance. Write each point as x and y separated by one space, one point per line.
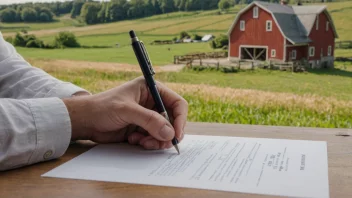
250 165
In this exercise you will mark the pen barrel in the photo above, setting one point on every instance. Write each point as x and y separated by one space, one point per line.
148 75
142 59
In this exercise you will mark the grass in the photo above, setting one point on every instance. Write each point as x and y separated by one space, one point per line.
160 55
209 103
60 22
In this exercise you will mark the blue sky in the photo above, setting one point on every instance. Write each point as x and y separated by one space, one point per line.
25 1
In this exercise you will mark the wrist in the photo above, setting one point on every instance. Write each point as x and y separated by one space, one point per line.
77 108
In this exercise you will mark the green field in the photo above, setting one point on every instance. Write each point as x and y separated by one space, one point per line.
317 98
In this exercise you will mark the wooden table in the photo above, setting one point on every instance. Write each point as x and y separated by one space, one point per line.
27 182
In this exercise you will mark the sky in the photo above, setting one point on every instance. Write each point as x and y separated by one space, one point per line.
2 2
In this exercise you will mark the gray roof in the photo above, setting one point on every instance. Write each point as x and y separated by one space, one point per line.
294 21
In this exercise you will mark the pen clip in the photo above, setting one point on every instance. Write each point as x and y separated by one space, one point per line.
148 59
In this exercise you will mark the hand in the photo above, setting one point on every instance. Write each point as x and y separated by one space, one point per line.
113 116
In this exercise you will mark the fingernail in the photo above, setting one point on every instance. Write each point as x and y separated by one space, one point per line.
166 132
150 144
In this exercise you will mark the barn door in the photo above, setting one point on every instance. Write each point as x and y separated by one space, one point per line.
253 53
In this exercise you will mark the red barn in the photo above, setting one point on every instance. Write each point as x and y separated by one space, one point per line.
270 31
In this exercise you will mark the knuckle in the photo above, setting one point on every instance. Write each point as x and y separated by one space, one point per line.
152 119
121 106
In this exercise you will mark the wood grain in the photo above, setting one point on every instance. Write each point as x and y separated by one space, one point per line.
27 181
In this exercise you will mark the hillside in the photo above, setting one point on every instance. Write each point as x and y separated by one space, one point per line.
160 27
320 98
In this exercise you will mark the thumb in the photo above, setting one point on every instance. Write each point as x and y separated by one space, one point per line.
149 120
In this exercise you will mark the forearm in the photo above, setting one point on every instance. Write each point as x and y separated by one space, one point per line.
32 130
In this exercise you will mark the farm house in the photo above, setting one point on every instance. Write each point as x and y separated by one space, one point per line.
269 31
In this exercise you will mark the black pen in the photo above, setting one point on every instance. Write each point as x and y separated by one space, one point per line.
148 72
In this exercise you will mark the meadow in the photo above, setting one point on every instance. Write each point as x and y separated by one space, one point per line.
317 98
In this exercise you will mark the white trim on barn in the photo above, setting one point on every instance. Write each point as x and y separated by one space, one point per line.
229 49
285 50
330 20
247 8
256 47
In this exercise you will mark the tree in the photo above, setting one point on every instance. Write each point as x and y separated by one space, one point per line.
167 6
29 15
8 15
101 13
157 7
137 9
66 39
224 5
149 9
89 12
116 10
76 8
45 15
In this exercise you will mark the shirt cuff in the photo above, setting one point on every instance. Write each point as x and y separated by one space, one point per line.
65 90
53 126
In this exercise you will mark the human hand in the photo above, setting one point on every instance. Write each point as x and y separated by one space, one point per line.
112 116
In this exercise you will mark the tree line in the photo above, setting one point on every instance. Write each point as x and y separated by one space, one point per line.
92 12
115 10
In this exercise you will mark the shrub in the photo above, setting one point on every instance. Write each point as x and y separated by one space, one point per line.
196 37
35 44
184 34
212 44
220 42
66 39
19 40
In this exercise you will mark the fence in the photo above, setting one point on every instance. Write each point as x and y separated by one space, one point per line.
189 58
343 44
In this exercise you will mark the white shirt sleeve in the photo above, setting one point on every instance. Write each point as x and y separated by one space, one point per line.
18 79
34 122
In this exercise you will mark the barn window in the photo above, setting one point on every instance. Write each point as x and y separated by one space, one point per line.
317 23
242 25
327 26
329 50
255 12
273 53
311 51
269 26
294 54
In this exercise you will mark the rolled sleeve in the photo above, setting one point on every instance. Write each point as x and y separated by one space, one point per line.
53 126
65 90
32 131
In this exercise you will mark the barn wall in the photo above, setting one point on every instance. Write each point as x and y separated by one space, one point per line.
255 34
322 38
302 52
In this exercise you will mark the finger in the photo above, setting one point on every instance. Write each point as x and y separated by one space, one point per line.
152 144
179 107
135 137
156 125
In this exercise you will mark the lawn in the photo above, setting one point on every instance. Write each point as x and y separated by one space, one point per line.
60 22
160 55
321 99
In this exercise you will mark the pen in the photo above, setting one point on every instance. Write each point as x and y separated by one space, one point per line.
148 72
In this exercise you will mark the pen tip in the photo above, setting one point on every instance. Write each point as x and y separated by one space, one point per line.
177 149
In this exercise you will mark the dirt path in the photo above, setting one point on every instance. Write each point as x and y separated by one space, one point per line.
102 66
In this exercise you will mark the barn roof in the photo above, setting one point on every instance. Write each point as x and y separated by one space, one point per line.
294 22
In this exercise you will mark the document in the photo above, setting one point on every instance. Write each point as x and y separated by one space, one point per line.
293 168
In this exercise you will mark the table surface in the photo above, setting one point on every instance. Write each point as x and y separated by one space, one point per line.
27 181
